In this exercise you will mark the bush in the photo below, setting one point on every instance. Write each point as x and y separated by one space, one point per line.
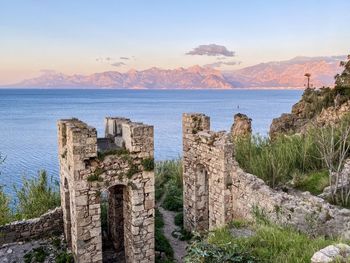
173 200
179 219
64 257
37 255
37 196
148 164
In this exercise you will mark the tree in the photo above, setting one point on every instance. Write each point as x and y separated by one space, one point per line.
308 75
333 143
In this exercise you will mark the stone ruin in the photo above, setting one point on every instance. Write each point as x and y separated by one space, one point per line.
107 191
217 190
119 168
207 164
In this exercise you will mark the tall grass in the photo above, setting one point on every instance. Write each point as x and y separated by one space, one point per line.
276 161
5 212
168 177
36 196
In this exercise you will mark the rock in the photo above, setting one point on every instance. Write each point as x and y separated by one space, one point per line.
340 252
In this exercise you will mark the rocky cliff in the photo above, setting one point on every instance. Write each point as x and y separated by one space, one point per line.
317 106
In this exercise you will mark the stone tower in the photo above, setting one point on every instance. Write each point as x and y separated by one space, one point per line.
207 174
115 172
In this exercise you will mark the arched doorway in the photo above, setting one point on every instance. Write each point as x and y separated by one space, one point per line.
202 198
114 211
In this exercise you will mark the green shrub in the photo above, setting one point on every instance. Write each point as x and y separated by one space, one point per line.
162 244
148 164
173 200
179 219
36 196
37 255
64 257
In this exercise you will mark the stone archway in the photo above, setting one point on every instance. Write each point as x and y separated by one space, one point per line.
202 197
118 163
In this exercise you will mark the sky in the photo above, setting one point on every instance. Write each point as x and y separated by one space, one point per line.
86 36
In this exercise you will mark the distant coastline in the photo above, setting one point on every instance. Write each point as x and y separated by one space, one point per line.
288 74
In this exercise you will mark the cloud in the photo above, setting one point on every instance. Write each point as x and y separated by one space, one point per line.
124 58
222 63
118 64
211 50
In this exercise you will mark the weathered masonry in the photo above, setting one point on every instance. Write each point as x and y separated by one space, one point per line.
217 190
207 164
107 190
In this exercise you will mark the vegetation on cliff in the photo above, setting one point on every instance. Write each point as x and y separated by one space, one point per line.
34 198
312 103
309 162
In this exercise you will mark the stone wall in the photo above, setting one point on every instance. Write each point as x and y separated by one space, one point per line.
207 164
235 194
43 226
307 213
88 169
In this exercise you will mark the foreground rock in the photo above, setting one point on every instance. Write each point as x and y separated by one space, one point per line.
332 253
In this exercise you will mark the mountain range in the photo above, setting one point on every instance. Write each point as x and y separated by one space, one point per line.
281 74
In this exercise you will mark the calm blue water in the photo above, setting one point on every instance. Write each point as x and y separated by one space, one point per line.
28 119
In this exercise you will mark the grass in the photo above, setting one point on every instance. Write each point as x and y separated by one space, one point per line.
5 211
168 177
276 161
270 244
119 152
314 182
36 196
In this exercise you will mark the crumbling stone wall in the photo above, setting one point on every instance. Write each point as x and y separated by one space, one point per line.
207 164
43 226
307 213
241 127
235 194
116 163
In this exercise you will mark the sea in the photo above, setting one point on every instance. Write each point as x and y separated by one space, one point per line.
28 118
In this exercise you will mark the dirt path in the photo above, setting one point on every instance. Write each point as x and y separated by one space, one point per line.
178 246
